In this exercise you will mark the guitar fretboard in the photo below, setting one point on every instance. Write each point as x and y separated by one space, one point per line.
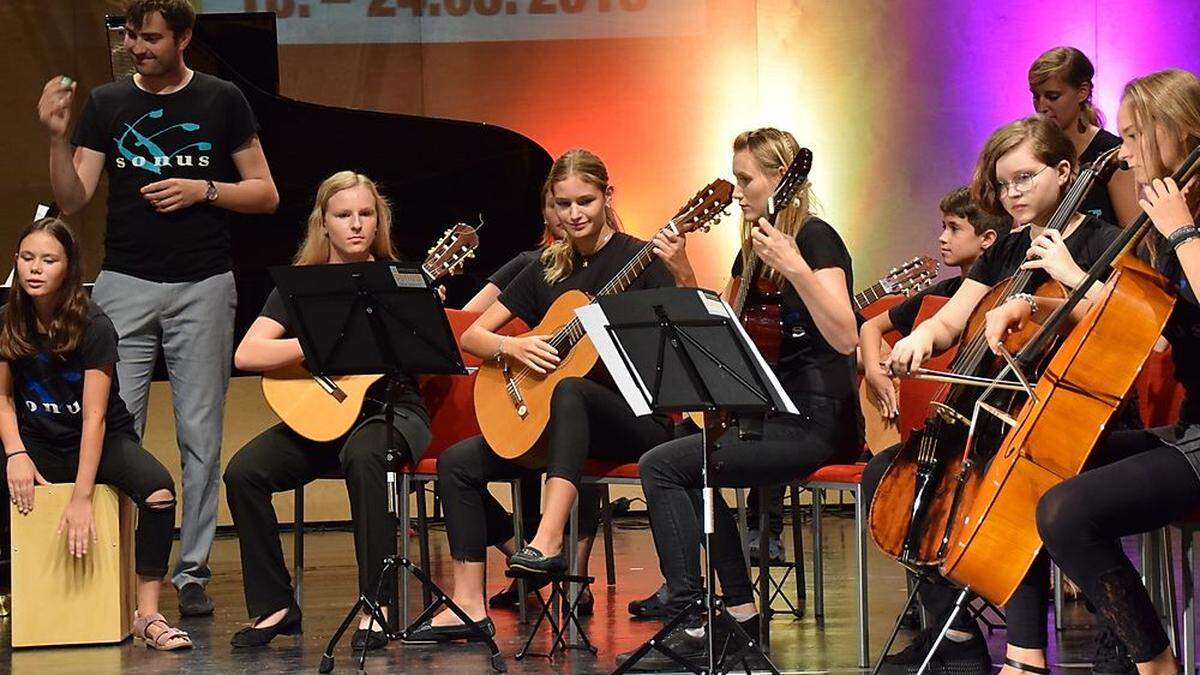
869 295
573 331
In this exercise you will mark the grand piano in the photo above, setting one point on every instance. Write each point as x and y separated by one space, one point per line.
436 172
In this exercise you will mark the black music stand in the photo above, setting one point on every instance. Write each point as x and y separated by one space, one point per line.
679 350
365 319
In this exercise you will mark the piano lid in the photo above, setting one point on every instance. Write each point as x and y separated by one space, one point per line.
435 172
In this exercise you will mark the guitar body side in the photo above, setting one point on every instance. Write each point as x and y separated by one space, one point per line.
308 409
510 435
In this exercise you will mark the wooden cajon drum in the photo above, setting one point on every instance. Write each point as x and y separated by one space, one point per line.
61 600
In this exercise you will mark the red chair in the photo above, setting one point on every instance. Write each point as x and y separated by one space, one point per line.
841 477
1159 396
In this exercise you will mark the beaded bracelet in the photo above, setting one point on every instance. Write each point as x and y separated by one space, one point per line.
1033 305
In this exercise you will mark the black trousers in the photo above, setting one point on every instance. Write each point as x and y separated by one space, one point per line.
1143 484
127 466
279 459
587 419
1025 613
770 500
791 447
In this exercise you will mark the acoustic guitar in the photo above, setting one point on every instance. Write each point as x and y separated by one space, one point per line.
761 320
905 280
512 401
322 408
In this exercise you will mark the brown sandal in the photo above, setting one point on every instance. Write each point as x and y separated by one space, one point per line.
167 640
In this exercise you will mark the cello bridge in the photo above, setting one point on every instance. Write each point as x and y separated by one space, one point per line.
949 414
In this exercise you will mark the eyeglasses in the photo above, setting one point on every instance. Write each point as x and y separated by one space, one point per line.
1021 184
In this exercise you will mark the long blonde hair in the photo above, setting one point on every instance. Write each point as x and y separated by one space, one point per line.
773 150
558 257
1169 99
1075 69
315 249
1050 146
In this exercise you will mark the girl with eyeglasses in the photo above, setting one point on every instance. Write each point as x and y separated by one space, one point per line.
1024 170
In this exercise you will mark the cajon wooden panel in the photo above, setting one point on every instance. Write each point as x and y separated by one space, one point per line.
60 600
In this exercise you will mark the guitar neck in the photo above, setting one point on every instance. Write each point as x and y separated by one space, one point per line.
632 269
868 295
573 331
749 269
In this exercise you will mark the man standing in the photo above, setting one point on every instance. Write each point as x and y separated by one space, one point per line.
181 150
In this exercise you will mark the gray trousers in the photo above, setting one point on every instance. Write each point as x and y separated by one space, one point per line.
193 323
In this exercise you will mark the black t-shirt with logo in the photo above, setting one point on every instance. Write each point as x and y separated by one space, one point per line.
191 133
904 315
1086 243
48 389
528 296
408 398
807 363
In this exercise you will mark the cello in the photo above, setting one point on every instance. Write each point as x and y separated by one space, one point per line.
990 548
914 503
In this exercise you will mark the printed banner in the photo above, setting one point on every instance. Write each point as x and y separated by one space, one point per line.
420 21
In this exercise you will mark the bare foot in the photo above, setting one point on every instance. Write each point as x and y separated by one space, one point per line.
365 619
449 618
269 620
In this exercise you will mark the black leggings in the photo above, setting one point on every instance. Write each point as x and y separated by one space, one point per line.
791 447
127 466
1026 610
1142 485
279 459
587 419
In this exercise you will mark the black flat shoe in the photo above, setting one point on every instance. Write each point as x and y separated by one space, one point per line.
374 639
428 634
691 648
529 559
258 637
507 598
194 600
653 607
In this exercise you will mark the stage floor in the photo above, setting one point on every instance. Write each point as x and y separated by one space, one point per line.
799 646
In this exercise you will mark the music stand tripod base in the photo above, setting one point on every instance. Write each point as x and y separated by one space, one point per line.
570 614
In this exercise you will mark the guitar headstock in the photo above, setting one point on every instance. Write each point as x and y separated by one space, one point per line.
790 183
451 252
1106 164
705 209
910 277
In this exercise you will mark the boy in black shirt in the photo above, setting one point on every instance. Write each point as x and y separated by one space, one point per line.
967 231
180 148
